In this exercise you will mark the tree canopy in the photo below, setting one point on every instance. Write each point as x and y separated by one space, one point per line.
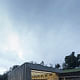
57 66
71 61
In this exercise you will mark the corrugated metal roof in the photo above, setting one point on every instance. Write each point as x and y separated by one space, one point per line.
43 68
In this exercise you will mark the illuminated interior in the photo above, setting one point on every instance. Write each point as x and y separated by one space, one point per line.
42 75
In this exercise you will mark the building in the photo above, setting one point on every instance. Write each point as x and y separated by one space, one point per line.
29 71
70 74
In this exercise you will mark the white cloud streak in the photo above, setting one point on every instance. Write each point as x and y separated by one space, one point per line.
38 31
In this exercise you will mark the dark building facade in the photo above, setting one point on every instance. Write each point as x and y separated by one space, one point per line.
71 74
29 71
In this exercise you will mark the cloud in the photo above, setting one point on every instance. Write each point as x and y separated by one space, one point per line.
38 30
2 70
9 38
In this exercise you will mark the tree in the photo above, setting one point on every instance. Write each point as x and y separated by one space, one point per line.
5 76
14 67
78 59
57 66
71 61
42 63
1 77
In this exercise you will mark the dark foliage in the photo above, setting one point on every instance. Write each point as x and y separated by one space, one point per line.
42 63
71 61
4 76
57 66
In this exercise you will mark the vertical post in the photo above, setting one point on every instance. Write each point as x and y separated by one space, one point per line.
27 72
64 78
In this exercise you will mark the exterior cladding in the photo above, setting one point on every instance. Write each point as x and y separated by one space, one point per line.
20 73
17 74
24 71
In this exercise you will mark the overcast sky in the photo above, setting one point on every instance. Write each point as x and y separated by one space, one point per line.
36 30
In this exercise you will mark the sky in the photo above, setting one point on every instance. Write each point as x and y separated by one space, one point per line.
38 30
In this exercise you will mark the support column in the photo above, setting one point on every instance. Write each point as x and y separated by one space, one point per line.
64 78
27 73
